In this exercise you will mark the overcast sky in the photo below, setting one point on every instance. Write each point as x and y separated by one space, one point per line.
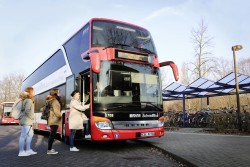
31 30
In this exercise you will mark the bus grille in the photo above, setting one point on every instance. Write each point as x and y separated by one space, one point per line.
135 124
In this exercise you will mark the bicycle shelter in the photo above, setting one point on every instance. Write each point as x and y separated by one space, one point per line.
202 87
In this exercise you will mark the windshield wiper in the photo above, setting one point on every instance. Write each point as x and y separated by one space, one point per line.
155 106
114 45
114 107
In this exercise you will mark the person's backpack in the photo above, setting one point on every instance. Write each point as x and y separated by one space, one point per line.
17 109
45 111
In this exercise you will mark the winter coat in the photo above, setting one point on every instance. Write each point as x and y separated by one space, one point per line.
75 115
28 112
55 111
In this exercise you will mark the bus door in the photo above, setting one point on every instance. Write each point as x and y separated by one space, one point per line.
84 88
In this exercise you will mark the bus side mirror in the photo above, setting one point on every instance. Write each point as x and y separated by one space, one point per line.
95 62
94 58
173 66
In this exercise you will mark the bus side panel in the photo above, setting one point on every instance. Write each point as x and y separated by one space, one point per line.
9 121
41 125
45 127
66 122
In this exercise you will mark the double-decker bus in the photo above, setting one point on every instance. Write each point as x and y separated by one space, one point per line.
113 64
5 117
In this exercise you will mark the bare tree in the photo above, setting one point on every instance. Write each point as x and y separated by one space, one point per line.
223 67
244 66
10 86
166 77
204 62
207 66
185 78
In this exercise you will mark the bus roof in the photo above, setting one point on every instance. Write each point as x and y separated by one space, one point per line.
8 102
106 19
93 19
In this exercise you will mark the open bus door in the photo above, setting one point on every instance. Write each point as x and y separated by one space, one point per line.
84 89
70 87
82 84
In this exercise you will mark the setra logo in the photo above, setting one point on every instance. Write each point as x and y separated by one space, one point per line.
134 115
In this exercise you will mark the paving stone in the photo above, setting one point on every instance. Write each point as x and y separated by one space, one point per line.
101 154
201 149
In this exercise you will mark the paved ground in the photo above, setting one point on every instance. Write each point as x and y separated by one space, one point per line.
193 148
101 154
211 150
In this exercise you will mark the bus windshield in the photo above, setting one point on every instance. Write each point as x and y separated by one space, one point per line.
122 86
113 34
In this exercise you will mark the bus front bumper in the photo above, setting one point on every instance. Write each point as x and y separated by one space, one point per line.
115 134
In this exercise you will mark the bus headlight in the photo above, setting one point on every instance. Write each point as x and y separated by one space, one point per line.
161 122
102 123
151 59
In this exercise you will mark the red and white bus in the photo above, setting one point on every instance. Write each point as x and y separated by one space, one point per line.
5 114
115 65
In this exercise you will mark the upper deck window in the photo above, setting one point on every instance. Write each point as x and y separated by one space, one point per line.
107 33
55 62
75 46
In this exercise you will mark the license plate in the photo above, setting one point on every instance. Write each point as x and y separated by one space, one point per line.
147 134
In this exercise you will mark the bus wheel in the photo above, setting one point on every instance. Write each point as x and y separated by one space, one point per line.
65 138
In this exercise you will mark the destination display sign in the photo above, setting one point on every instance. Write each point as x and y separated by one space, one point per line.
8 104
131 56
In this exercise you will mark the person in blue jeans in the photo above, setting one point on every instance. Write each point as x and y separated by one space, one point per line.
26 122
86 127
75 117
87 123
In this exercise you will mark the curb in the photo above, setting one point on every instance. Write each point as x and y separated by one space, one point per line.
174 156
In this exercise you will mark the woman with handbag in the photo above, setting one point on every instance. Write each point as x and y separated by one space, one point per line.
26 121
54 119
75 117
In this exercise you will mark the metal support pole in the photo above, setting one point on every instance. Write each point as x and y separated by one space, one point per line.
207 101
183 110
201 104
237 89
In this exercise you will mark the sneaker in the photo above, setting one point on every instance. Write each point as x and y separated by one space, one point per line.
31 152
74 149
23 154
87 136
52 151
